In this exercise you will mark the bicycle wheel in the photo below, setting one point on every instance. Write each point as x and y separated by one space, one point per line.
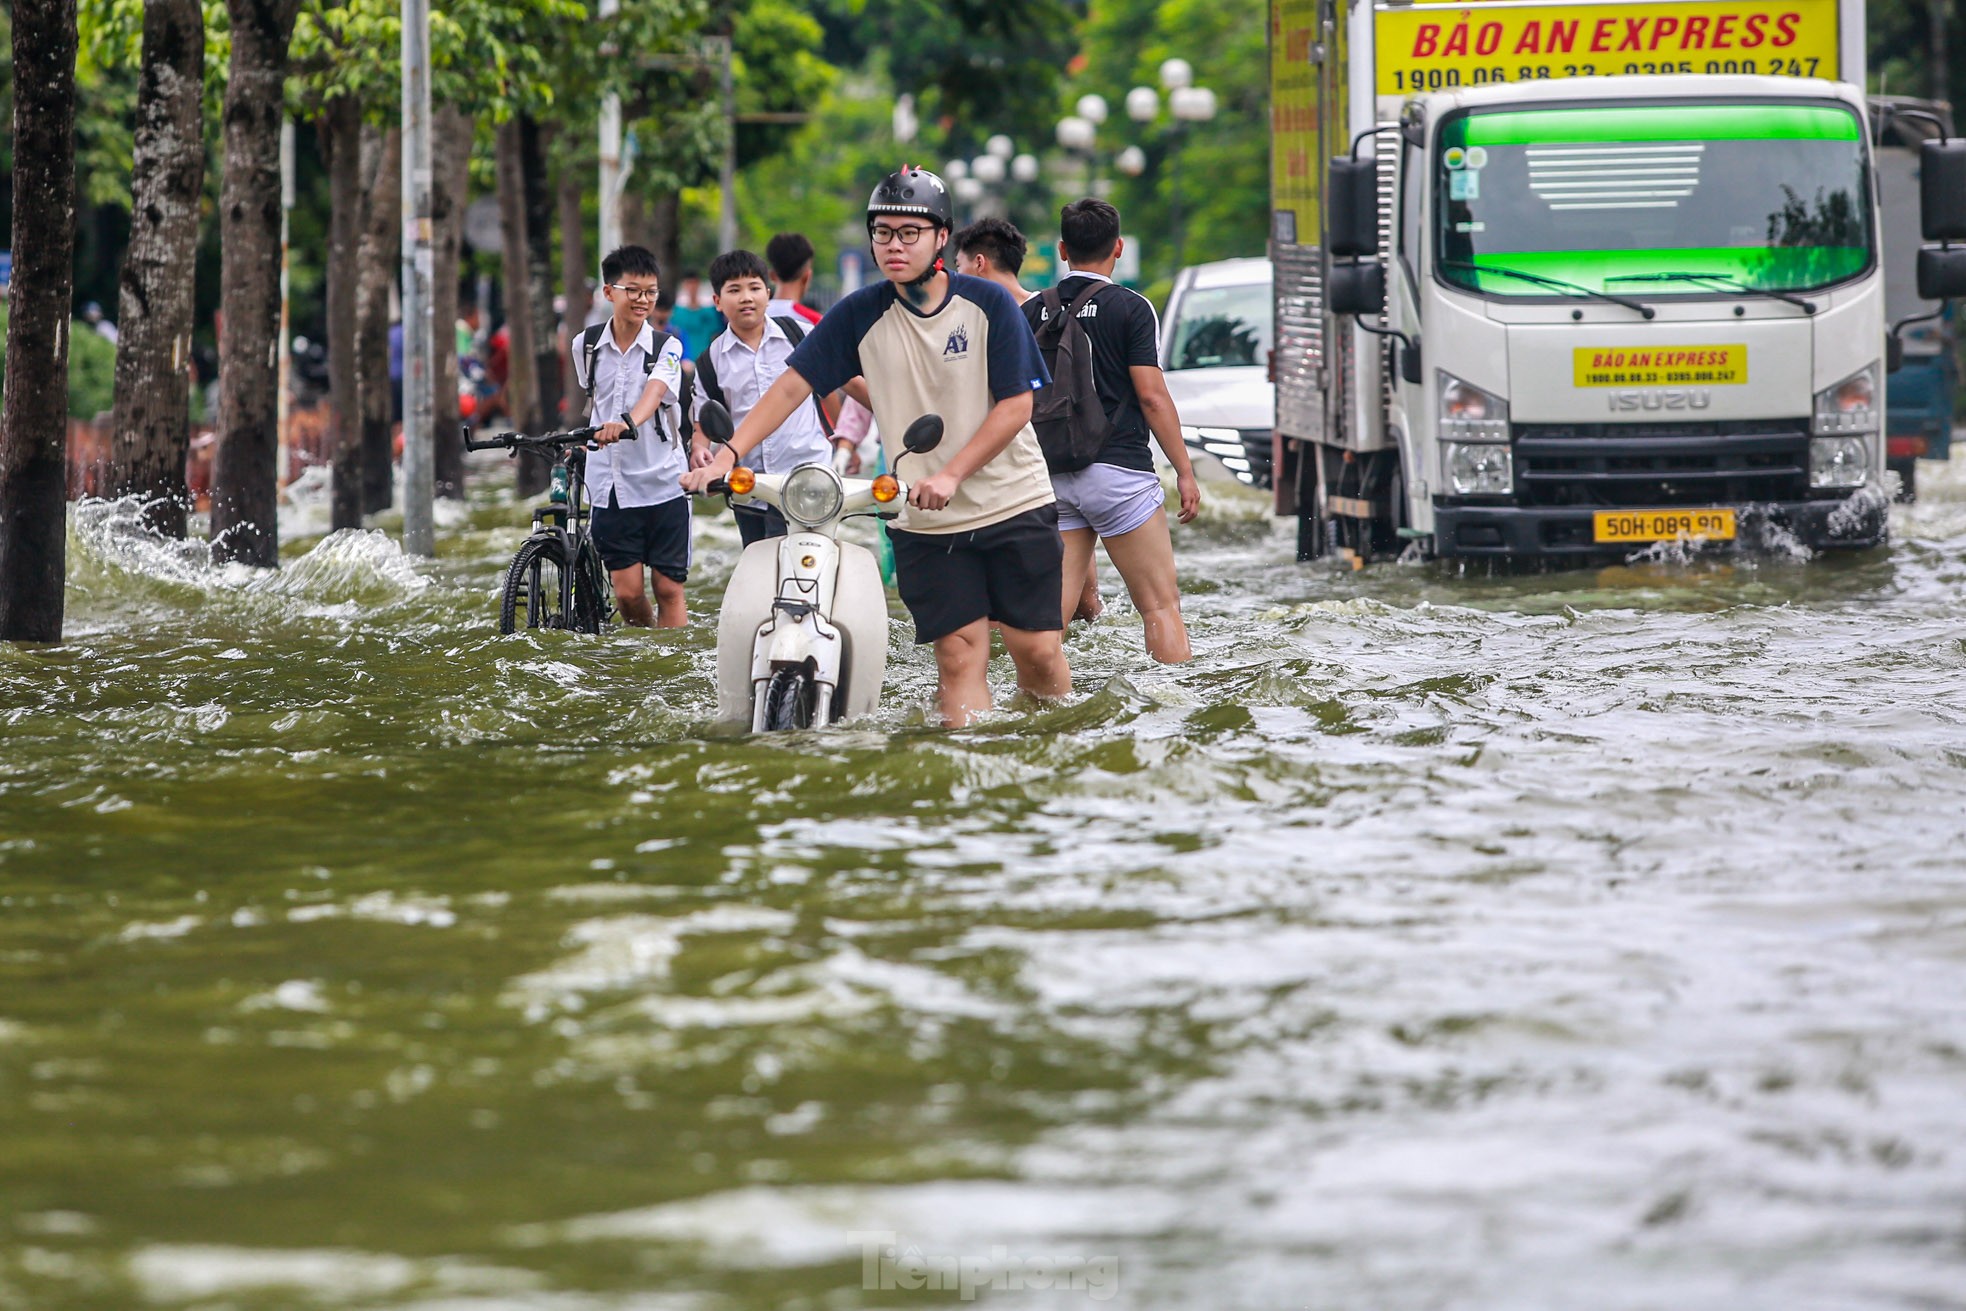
534 587
789 699
593 598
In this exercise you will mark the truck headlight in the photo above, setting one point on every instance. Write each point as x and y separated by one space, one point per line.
1848 407
1480 468
812 495
1838 461
1469 414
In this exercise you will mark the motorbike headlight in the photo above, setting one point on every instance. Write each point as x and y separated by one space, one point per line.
1480 468
1469 414
812 495
1848 407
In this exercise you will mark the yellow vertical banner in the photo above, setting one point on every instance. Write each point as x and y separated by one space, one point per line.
1294 167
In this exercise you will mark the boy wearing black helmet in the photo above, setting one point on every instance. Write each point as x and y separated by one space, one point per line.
979 538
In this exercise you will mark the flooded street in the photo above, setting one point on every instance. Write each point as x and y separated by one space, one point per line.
1592 939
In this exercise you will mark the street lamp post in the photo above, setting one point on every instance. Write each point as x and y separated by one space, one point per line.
1186 104
1080 135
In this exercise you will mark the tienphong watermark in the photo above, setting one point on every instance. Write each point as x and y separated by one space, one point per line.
887 1264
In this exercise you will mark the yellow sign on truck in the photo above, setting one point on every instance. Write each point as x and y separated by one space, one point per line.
1427 47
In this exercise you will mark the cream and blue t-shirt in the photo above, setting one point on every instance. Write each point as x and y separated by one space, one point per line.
957 361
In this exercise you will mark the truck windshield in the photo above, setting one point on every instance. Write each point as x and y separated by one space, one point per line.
1222 327
1769 196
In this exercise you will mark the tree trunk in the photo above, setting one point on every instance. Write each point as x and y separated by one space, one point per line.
380 258
245 465
34 429
547 354
634 220
341 135
151 436
665 239
521 379
1938 12
579 292
451 133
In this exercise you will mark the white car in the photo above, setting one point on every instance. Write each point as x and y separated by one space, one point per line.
1215 351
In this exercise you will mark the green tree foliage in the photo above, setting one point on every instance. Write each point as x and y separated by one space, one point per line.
91 368
976 67
1222 172
819 185
1901 48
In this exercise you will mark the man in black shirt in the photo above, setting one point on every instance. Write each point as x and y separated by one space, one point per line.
1118 498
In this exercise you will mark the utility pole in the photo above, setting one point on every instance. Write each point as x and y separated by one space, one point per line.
610 152
419 341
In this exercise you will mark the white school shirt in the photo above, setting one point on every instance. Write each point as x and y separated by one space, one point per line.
744 375
649 470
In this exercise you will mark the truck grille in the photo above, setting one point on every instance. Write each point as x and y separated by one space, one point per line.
1639 464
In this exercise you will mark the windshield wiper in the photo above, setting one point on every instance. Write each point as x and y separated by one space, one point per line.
1735 284
1558 283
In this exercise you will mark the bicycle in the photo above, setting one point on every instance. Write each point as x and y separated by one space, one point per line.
556 579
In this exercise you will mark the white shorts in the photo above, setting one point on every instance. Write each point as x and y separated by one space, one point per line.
1109 500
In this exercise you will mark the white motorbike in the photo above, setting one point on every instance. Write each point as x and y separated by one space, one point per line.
802 636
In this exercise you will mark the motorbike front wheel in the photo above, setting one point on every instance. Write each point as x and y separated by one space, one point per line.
789 698
536 587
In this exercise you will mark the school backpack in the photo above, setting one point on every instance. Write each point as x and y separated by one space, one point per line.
706 371
590 351
1070 422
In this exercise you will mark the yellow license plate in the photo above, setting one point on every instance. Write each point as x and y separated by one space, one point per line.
1663 525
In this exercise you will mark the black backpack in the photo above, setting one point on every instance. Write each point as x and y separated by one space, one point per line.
706 373
590 351
1070 422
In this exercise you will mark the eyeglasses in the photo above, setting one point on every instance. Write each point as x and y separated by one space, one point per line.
908 236
634 293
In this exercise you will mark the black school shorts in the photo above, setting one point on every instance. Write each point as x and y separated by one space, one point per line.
654 535
1012 572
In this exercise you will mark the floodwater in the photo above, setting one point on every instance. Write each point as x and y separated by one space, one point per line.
1593 939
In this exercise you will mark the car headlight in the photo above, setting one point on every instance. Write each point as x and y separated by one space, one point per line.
1480 468
1839 461
1469 414
812 495
1848 407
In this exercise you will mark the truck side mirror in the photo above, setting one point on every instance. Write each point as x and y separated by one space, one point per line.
1941 192
1942 271
1361 288
1894 352
1353 213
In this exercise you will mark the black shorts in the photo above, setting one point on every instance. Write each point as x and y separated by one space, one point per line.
1012 572
757 522
654 535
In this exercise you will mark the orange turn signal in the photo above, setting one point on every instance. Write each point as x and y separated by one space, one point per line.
741 481
886 488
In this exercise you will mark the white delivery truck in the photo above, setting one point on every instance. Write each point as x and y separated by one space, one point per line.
1561 280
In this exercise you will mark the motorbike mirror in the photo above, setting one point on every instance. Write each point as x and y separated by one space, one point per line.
923 435
714 419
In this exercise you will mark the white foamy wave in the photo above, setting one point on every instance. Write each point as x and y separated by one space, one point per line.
115 560
350 565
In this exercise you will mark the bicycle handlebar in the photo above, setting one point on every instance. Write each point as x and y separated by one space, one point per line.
552 441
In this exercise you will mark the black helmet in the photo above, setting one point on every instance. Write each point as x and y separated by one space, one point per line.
912 191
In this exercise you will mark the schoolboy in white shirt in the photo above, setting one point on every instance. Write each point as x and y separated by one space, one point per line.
738 368
632 375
